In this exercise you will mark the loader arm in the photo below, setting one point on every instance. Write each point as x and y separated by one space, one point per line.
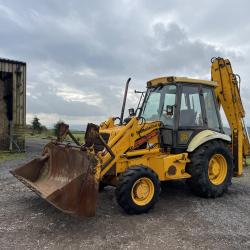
125 141
228 96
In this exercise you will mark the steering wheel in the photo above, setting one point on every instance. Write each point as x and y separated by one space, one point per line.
117 118
143 120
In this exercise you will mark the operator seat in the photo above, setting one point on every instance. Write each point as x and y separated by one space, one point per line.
187 117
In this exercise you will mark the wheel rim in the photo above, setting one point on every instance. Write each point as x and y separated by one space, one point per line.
217 169
142 191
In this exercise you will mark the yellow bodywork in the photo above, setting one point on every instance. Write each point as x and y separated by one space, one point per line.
171 79
123 144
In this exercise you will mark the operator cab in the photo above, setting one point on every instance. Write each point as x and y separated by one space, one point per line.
184 106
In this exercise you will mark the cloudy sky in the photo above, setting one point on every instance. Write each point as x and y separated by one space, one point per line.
80 53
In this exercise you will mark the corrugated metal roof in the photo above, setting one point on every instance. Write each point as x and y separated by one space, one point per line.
4 60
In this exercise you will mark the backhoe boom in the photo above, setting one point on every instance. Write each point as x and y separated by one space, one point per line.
228 96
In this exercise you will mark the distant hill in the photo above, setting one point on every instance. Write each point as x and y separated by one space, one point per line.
78 127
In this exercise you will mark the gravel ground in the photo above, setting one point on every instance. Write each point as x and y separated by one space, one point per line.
178 221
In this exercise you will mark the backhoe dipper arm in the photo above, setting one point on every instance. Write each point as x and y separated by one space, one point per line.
228 96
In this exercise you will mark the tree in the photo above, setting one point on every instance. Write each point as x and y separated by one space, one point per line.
36 125
44 129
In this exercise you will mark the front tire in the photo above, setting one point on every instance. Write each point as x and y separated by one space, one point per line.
138 190
211 168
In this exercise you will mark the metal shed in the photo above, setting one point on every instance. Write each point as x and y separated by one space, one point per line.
12 105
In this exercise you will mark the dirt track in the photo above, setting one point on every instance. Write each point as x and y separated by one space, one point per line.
179 220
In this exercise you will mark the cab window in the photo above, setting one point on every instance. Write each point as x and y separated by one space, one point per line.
169 101
151 108
158 102
212 117
190 109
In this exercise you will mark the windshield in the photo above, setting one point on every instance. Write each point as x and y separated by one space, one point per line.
157 101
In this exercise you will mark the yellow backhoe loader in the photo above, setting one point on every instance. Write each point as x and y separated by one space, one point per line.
176 133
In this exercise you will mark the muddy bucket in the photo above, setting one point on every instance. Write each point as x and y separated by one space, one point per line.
64 176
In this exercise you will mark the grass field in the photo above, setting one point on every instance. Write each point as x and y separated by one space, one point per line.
248 161
79 135
7 156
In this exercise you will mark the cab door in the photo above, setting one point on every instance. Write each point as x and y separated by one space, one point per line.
191 117
160 105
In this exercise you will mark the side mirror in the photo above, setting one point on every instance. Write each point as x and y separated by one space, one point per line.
131 112
170 110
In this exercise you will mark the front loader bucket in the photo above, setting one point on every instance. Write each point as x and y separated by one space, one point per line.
64 176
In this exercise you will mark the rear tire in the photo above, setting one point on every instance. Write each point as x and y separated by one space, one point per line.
211 168
138 190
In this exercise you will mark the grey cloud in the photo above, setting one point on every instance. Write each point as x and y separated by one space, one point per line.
177 53
142 39
45 100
